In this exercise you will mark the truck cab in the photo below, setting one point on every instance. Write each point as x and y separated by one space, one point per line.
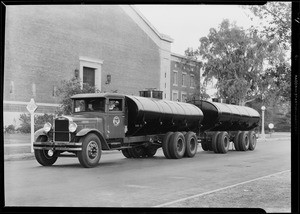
109 107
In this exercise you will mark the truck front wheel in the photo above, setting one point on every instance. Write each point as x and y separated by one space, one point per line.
177 145
191 144
91 151
45 157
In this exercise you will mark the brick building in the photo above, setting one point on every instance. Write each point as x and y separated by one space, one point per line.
47 44
185 77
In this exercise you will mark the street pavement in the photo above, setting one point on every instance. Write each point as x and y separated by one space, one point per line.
154 182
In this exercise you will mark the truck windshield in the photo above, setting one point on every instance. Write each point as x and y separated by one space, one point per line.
89 105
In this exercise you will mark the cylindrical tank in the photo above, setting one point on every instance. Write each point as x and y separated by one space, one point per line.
154 116
226 117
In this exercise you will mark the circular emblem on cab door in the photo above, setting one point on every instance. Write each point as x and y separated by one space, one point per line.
116 121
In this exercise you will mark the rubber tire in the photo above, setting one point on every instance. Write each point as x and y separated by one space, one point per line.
214 142
236 141
42 156
191 144
137 152
150 151
175 152
204 145
126 154
244 141
209 145
83 157
223 142
165 144
252 140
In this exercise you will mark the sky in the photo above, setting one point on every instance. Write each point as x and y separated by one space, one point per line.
186 24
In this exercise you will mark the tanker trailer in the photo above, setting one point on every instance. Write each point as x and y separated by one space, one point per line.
174 125
223 123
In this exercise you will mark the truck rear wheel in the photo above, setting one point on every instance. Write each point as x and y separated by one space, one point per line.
177 145
91 151
126 153
45 157
244 141
223 142
165 144
214 142
204 145
236 141
191 144
137 152
150 151
252 140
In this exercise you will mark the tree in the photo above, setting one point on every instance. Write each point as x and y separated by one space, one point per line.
235 57
70 88
275 21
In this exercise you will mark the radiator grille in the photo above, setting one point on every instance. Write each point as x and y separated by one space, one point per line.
61 132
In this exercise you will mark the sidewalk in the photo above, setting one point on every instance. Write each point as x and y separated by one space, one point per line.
17 146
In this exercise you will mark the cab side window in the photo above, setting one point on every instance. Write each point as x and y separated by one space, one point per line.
115 105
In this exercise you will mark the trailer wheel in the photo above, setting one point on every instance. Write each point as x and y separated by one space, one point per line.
214 142
252 140
177 145
244 141
137 152
165 144
126 153
91 151
150 151
223 142
204 145
236 141
45 157
209 145
191 144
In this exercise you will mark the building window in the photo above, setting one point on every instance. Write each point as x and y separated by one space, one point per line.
183 79
175 95
90 71
89 76
183 97
192 81
175 78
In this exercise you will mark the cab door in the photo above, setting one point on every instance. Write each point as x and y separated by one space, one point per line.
116 118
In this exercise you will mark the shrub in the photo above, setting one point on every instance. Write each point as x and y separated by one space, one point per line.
39 121
70 88
10 129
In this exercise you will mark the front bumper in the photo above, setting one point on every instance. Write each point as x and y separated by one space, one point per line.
61 145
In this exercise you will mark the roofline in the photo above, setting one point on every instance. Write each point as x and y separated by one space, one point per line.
95 95
161 36
184 57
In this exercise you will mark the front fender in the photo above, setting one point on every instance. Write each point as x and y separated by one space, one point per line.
39 133
84 132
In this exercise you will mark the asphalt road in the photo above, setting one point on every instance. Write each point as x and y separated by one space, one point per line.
122 182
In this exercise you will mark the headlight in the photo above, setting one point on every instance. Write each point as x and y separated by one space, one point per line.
47 127
72 127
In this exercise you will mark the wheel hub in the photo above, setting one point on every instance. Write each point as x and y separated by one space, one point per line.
92 149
